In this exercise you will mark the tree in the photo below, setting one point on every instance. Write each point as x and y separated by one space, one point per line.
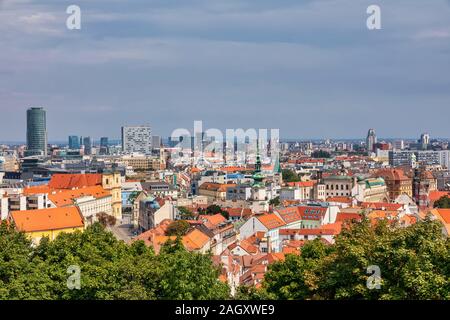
275 201
214 209
413 262
106 219
442 203
185 213
110 269
289 176
177 228
321 154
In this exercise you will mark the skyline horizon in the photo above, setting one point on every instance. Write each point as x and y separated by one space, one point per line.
309 68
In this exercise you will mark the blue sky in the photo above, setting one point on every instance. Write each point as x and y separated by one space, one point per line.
310 68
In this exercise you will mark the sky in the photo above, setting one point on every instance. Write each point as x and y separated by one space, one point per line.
310 68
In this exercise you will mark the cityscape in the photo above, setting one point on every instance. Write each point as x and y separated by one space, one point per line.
241 152
242 215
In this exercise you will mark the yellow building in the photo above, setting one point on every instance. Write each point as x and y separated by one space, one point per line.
112 182
37 224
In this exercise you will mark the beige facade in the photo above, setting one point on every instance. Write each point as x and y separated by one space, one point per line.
112 182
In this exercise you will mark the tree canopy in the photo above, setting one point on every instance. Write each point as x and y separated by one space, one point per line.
442 203
177 228
290 175
109 268
413 264
321 154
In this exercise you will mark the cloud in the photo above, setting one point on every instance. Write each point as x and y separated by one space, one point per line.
310 68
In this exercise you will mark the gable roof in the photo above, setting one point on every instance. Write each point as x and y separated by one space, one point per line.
47 219
212 221
69 181
195 240
270 221
66 197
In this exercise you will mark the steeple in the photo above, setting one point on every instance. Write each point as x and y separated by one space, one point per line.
258 177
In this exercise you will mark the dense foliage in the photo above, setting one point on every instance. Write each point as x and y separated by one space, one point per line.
185 213
443 203
290 175
275 201
177 228
213 210
109 269
414 263
321 154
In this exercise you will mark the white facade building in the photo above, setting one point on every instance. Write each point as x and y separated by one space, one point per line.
137 139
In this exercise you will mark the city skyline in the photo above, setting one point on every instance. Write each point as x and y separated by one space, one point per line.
311 69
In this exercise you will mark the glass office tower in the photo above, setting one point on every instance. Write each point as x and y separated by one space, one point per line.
36 132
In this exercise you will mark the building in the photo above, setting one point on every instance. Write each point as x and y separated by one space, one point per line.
137 139
91 201
74 143
104 146
156 142
215 191
412 158
370 190
269 224
87 142
112 181
397 182
371 141
339 185
424 141
37 224
36 132
152 211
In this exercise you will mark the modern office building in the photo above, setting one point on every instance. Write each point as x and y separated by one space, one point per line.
74 143
371 141
104 148
137 139
156 142
424 141
419 157
87 142
36 132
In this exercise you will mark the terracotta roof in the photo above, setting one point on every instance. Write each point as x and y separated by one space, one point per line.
66 197
382 205
37 190
47 219
392 174
195 240
344 216
238 212
69 181
302 184
445 214
311 212
436 195
340 199
270 221
289 214
213 221
217 187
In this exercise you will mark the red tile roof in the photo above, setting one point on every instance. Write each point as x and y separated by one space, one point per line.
69 181
270 221
47 219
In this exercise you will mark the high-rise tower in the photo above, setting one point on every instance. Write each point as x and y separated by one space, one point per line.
371 140
36 132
